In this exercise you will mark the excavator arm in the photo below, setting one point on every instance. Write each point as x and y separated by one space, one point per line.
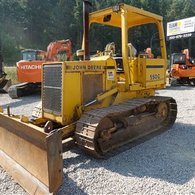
58 46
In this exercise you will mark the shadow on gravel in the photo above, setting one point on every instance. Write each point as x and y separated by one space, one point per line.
169 157
70 187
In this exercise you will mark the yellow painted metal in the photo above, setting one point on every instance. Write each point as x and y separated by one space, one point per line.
67 130
39 121
24 119
152 71
72 95
127 17
133 64
162 45
106 94
73 73
124 96
136 16
124 35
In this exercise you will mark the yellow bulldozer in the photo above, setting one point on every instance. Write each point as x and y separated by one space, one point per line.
99 103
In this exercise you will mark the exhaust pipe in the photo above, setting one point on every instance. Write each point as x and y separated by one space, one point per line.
86 9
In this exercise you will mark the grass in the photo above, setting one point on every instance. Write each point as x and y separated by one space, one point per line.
11 73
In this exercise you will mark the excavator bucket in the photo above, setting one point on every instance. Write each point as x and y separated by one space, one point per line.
4 85
32 157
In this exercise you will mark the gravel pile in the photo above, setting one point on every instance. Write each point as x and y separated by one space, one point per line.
164 164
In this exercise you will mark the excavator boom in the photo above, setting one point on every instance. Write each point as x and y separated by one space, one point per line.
59 46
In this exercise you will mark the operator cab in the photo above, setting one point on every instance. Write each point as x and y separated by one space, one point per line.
31 54
178 58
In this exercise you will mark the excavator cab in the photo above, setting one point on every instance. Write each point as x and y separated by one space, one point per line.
31 54
29 67
182 58
182 69
178 58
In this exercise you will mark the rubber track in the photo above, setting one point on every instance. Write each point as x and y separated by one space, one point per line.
85 133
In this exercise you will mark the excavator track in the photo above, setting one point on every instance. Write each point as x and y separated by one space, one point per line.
100 131
4 83
23 89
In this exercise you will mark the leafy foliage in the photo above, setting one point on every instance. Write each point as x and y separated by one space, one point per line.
35 23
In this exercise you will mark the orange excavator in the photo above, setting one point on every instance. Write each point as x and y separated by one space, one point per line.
182 69
54 49
29 68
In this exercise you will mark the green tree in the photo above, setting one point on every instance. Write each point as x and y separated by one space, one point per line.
11 15
35 23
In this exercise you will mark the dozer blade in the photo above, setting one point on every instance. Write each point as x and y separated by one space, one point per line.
4 85
32 157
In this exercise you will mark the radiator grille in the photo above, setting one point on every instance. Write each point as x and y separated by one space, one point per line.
52 88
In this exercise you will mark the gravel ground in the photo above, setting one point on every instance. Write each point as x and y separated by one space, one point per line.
164 164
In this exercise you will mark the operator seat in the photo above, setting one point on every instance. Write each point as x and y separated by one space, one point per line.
132 54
